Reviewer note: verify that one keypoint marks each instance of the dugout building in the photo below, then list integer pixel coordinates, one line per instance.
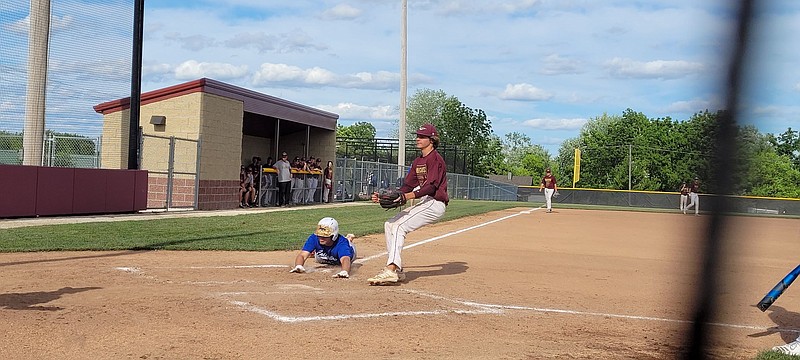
(199, 133)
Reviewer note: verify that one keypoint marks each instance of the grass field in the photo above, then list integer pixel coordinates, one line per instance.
(263, 231)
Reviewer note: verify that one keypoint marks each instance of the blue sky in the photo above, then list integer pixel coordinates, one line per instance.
(539, 67)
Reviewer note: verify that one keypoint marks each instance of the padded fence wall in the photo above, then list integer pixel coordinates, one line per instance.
(656, 200)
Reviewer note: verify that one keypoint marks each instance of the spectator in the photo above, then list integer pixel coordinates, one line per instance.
(329, 247)
(312, 180)
(247, 194)
(327, 193)
(299, 180)
(283, 168)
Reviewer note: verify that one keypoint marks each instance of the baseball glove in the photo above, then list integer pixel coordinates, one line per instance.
(391, 200)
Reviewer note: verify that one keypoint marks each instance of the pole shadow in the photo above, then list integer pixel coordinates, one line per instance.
(786, 323)
(30, 301)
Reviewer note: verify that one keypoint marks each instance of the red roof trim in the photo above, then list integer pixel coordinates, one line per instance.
(152, 96)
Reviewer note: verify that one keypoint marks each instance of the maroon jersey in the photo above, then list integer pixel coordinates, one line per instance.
(430, 174)
(549, 181)
(695, 187)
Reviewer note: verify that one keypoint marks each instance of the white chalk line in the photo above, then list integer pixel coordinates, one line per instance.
(368, 258)
(478, 309)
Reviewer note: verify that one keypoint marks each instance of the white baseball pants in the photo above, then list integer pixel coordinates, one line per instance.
(548, 197)
(427, 211)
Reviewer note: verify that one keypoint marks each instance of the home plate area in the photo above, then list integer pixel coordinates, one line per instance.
(293, 306)
(296, 302)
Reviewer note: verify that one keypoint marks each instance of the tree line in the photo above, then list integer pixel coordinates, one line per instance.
(617, 151)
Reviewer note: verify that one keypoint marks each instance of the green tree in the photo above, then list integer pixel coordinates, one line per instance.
(522, 157)
(462, 129)
(770, 174)
(425, 106)
(787, 144)
(359, 130)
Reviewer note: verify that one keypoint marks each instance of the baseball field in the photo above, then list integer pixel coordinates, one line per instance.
(517, 283)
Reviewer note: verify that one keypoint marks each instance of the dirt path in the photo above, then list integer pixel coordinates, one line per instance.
(518, 284)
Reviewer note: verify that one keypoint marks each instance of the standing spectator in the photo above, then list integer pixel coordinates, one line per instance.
(284, 169)
(684, 195)
(299, 179)
(312, 180)
(256, 165)
(549, 185)
(694, 199)
(327, 194)
(428, 175)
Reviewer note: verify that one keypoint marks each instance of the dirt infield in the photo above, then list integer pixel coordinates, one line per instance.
(514, 284)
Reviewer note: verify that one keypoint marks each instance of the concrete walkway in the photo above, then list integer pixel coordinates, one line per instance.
(151, 215)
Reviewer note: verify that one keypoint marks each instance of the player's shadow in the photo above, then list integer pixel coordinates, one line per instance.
(449, 268)
(786, 323)
(30, 301)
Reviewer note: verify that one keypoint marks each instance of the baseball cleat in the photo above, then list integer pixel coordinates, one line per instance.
(385, 277)
(792, 348)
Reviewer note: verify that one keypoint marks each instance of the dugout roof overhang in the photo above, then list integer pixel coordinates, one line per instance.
(253, 102)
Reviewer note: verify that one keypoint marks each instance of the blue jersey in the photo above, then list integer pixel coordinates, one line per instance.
(329, 254)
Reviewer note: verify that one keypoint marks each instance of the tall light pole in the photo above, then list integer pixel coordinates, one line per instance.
(38, 44)
(401, 154)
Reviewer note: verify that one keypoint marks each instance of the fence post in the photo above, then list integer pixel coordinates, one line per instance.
(170, 170)
(197, 176)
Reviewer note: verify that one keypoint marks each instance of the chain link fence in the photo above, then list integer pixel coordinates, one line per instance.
(357, 179)
(174, 176)
(58, 151)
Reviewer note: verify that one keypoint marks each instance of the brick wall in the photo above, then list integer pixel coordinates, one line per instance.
(218, 194)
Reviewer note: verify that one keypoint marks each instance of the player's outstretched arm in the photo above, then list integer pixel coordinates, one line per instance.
(299, 261)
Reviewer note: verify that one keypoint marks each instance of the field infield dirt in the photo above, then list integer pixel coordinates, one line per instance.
(514, 284)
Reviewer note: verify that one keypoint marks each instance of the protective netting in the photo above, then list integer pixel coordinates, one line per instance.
(89, 62)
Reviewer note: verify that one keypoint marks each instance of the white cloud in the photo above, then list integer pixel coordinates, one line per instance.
(257, 40)
(694, 106)
(56, 23)
(341, 12)
(190, 70)
(290, 75)
(548, 141)
(524, 92)
(465, 7)
(361, 112)
(556, 65)
(191, 42)
(797, 86)
(294, 41)
(555, 124)
(657, 69)
(156, 69)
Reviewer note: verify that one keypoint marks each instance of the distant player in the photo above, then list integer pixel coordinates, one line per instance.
(549, 185)
(328, 247)
(429, 173)
(694, 199)
(684, 189)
